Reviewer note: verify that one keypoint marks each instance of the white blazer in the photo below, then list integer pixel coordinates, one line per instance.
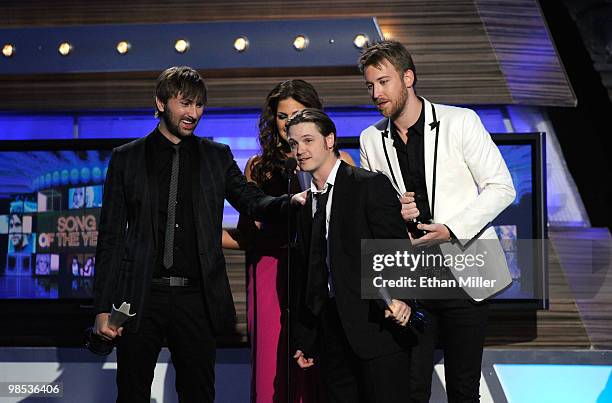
(472, 184)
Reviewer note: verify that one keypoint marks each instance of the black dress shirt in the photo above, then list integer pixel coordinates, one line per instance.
(185, 243)
(411, 158)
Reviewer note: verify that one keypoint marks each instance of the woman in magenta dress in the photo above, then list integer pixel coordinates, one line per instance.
(266, 255)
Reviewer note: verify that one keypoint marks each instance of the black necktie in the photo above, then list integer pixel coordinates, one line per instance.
(317, 292)
(171, 220)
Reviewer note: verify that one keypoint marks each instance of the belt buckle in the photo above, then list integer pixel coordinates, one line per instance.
(177, 281)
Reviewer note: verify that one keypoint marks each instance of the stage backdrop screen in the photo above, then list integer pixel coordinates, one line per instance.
(50, 199)
(51, 195)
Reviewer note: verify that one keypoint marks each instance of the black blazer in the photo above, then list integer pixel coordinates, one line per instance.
(364, 206)
(127, 237)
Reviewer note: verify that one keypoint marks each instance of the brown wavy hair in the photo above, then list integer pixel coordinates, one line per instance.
(180, 80)
(274, 148)
(393, 51)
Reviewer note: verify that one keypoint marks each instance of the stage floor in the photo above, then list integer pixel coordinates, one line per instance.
(509, 375)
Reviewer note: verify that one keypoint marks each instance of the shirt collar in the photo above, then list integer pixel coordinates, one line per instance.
(418, 127)
(163, 142)
(330, 179)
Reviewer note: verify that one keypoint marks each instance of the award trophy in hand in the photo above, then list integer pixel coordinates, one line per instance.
(100, 346)
(417, 320)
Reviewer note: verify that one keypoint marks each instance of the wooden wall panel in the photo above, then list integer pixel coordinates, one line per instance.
(450, 42)
(526, 53)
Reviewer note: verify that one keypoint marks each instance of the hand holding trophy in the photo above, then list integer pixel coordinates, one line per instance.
(102, 339)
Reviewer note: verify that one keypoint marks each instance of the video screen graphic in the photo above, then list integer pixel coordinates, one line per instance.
(49, 211)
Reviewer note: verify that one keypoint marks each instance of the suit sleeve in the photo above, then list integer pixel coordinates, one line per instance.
(491, 175)
(248, 198)
(303, 332)
(384, 216)
(111, 236)
(303, 323)
(384, 210)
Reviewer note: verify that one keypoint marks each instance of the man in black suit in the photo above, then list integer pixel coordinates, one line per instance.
(363, 356)
(159, 244)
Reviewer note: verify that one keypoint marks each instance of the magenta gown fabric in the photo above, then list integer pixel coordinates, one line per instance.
(266, 302)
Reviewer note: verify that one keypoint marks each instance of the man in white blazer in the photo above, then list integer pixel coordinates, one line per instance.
(441, 158)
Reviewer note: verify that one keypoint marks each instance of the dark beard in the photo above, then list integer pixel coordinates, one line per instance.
(400, 105)
(172, 128)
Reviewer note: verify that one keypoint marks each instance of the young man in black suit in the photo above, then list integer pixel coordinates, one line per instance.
(363, 356)
(159, 244)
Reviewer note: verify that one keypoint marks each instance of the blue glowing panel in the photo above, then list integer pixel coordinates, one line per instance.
(524, 119)
(351, 122)
(520, 212)
(492, 119)
(519, 163)
(516, 221)
(242, 147)
(556, 383)
(116, 126)
(230, 124)
(237, 129)
(30, 127)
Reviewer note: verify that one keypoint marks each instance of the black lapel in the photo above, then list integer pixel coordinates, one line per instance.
(382, 125)
(195, 184)
(340, 202)
(434, 125)
(384, 134)
(206, 187)
(152, 185)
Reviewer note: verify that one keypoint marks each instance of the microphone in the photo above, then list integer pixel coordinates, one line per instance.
(290, 165)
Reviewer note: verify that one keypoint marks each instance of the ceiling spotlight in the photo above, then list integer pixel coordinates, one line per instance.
(65, 48)
(123, 47)
(181, 46)
(360, 41)
(241, 44)
(300, 42)
(8, 50)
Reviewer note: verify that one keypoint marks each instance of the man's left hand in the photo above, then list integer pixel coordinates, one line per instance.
(300, 198)
(409, 208)
(436, 234)
(399, 311)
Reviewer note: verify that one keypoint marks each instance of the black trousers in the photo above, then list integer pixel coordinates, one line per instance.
(176, 315)
(352, 380)
(459, 326)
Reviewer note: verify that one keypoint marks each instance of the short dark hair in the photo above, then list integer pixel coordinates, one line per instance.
(182, 80)
(323, 122)
(393, 51)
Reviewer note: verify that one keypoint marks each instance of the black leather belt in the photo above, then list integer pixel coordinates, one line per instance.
(173, 281)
